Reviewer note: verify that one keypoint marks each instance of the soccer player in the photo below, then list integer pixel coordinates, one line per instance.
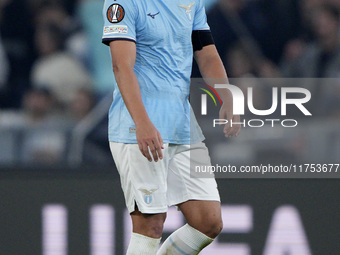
(152, 130)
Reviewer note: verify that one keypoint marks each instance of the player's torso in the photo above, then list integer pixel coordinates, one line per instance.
(164, 22)
(163, 64)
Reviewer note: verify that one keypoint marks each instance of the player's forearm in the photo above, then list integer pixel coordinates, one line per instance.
(213, 72)
(130, 91)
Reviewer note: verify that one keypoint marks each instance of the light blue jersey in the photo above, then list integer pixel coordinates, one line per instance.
(162, 31)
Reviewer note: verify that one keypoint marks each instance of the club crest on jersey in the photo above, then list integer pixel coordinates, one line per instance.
(115, 13)
(187, 9)
(148, 195)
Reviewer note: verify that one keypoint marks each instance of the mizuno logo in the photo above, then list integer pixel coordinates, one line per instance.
(153, 15)
(187, 9)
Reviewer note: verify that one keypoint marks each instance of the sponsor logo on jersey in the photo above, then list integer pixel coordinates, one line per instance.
(115, 13)
(153, 15)
(115, 30)
(187, 9)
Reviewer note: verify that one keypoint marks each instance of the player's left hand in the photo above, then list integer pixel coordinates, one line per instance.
(226, 112)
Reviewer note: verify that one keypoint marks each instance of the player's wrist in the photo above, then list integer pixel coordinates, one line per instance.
(142, 122)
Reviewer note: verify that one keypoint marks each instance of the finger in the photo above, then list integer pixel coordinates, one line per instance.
(146, 151)
(238, 131)
(160, 139)
(237, 128)
(141, 148)
(227, 128)
(222, 116)
(233, 131)
(229, 134)
(153, 151)
(140, 145)
(158, 148)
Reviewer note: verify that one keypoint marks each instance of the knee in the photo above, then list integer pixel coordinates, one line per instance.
(215, 228)
(149, 225)
(212, 227)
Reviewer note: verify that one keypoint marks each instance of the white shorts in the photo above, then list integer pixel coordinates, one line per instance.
(154, 186)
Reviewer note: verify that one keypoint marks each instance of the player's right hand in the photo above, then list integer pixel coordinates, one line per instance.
(149, 140)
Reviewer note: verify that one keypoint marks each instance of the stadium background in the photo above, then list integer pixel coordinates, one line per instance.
(59, 192)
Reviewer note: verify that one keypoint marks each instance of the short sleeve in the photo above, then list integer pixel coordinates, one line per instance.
(119, 21)
(200, 20)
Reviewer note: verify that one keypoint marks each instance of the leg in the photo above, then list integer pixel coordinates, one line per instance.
(143, 184)
(204, 224)
(150, 225)
(197, 198)
(205, 216)
(147, 231)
